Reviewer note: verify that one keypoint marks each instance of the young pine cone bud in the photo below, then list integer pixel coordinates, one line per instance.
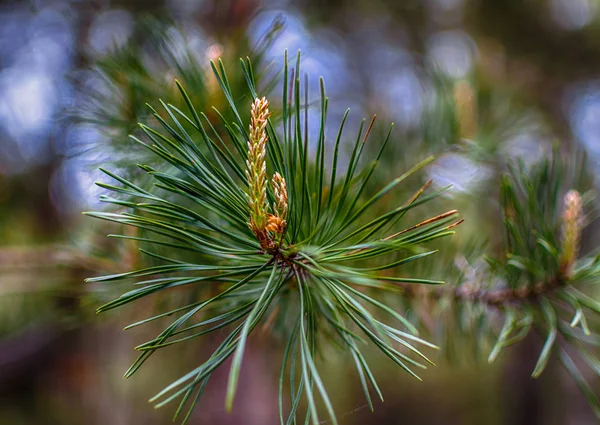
(276, 221)
(276, 224)
(256, 166)
(281, 196)
(572, 223)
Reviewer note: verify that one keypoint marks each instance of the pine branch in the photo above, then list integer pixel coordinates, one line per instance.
(537, 284)
(312, 253)
(282, 254)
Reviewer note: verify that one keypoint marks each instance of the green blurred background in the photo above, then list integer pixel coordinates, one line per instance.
(476, 82)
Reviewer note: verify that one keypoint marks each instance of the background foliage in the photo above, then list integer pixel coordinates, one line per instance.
(477, 83)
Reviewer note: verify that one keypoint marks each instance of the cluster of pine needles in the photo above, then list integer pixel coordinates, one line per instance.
(268, 230)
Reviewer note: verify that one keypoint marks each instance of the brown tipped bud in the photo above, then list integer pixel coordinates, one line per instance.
(572, 223)
(256, 172)
(276, 224)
